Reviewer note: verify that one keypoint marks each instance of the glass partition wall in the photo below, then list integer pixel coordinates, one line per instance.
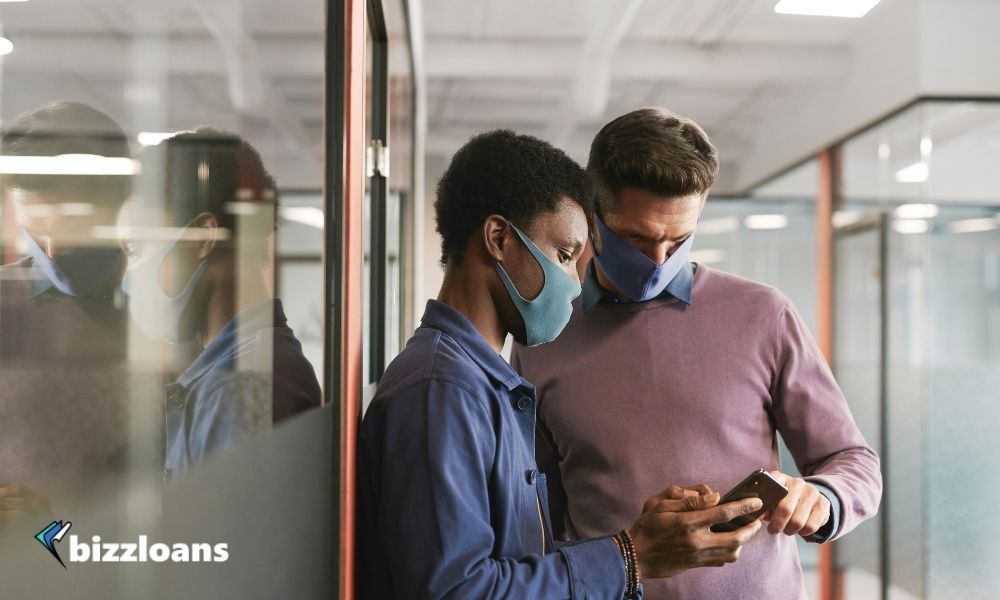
(181, 210)
(915, 330)
(918, 264)
(162, 301)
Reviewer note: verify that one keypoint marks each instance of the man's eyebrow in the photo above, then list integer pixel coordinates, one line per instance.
(631, 233)
(645, 236)
(638, 234)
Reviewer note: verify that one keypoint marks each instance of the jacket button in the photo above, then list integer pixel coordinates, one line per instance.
(532, 477)
(524, 403)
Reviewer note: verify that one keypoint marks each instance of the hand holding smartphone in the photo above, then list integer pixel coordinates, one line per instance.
(759, 484)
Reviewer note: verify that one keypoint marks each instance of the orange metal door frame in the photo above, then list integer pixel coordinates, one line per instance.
(344, 197)
(354, 189)
(824, 292)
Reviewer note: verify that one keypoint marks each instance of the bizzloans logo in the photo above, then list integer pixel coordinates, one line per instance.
(123, 552)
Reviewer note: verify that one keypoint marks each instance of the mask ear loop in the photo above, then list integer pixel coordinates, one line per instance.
(164, 251)
(525, 240)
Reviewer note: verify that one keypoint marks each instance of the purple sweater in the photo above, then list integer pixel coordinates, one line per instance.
(636, 397)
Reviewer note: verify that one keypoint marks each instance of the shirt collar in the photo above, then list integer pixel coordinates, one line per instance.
(40, 282)
(444, 317)
(264, 314)
(679, 287)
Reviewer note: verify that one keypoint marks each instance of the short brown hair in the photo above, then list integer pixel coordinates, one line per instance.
(655, 150)
(68, 128)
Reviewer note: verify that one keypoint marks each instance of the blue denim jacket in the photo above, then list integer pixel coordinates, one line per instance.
(252, 375)
(450, 502)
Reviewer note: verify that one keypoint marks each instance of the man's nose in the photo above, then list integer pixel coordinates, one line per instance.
(659, 252)
(574, 272)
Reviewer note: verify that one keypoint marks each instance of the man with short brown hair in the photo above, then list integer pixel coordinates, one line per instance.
(672, 371)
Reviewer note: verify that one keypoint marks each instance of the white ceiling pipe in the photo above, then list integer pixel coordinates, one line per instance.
(590, 88)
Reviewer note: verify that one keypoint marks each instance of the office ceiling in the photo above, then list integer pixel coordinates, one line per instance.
(562, 68)
(558, 69)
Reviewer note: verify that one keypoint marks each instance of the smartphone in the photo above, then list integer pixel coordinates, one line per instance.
(758, 484)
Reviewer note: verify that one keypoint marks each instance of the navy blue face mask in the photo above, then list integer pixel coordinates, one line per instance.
(632, 272)
(78, 272)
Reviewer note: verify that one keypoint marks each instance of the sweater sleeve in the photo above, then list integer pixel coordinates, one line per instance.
(816, 424)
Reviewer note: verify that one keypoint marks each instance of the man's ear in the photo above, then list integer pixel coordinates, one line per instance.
(495, 232)
(207, 231)
(595, 234)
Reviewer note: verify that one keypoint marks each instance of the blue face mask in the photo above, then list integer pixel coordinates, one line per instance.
(78, 272)
(546, 315)
(159, 315)
(632, 272)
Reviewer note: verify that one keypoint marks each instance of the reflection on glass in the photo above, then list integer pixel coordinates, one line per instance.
(200, 239)
(139, 324)
(299, 269)
(63, 328)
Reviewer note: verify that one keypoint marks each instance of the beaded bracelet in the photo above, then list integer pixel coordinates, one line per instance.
(630, 545)
(627, 547)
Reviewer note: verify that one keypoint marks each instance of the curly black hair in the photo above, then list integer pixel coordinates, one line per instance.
(501, 172)
(209, 170)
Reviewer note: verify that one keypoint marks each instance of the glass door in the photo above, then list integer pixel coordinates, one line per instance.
(857, 364)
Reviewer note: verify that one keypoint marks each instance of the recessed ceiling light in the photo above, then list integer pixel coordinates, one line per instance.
(766, 222)
(6, 46)
(973, 225)
(68, 164)
(926, 145)
(854, 9)
(846, 218)
(911, 226)
(152, 138)
(915, 173)
(307, 215)
(717, 226)
(76, 209)
(917, 211)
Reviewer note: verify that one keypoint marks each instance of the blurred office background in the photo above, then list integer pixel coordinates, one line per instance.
(860, 150)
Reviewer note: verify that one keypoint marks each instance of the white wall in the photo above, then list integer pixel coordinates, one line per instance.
(908, 48)
(883, 74)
